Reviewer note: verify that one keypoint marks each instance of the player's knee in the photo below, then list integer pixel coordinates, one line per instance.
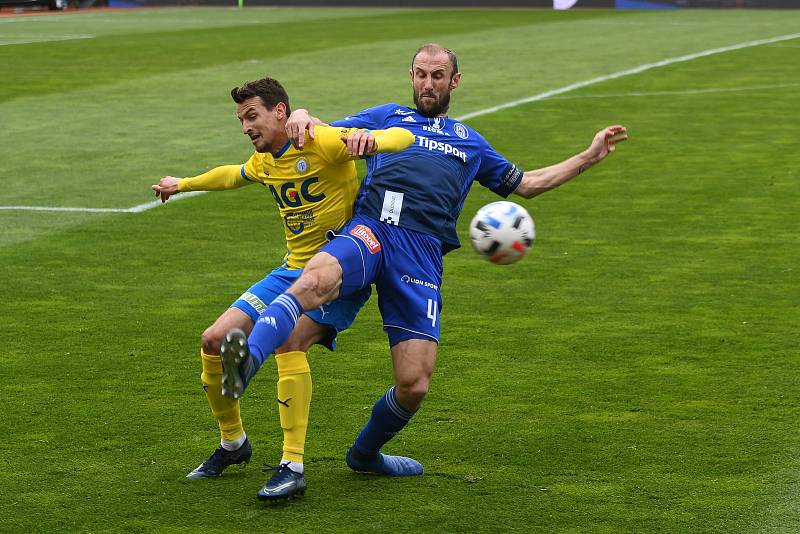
(411, 392)
(211, 340)
(314, 286)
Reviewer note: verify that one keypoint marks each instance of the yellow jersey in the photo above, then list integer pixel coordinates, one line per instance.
(314, 188)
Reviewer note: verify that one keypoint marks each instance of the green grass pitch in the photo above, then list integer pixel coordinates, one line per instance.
(638, 372)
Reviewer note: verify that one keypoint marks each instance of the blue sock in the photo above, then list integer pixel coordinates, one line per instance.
(387, 419)
(274, 326)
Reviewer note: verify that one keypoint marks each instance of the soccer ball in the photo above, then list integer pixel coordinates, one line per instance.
(502, 232)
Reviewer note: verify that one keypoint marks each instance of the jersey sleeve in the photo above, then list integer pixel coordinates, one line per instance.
(393, 139)
(371, 118)
(330, 146)
(217, 179)
(253, 169)
(497, 173)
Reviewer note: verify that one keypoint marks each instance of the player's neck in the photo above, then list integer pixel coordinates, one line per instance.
(279, 143)
(442, 115)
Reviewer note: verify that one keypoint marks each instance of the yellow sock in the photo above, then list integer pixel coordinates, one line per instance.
(294, 398)
(225, 410)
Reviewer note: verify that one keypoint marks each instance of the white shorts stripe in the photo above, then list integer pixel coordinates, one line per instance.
(363, 263)
(409, 330)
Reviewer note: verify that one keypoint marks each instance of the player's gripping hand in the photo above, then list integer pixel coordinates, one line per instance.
(605, 141)
(360, 143)
(299, 121)
(166, 187)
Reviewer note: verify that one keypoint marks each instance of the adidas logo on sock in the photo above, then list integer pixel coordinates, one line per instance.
(268, 321)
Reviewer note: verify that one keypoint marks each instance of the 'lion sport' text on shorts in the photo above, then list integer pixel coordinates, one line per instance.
(338, 314)
(404, 265)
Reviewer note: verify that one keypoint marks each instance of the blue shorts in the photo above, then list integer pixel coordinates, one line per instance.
(404, 265)
(338, 315)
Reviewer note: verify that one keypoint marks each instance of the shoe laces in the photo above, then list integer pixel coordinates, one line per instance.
(216, 459)
(278, 468)
(281, 471)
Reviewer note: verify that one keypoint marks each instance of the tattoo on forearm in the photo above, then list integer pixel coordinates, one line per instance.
(583, 168)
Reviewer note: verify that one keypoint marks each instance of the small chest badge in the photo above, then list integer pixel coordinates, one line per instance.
(301, 166)
(461, 130)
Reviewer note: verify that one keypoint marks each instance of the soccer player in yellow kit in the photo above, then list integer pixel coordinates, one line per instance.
(314, 189)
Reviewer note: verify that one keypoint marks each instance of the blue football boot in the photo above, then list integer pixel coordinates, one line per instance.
(238, 366)
(222, 458)
(284, 484)
(383, 464)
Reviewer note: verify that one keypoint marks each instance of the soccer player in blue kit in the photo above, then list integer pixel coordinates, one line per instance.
(404, 222)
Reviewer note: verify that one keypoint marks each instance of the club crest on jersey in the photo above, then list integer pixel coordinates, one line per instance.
(436, 126)
(461, 130)
(365, 234)
(301, 166)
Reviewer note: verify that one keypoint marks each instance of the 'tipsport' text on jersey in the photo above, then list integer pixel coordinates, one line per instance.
(423, 188)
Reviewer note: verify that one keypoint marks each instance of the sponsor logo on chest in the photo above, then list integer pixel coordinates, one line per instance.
(438, 146)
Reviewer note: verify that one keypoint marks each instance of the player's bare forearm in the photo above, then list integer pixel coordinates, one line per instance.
(538, 181)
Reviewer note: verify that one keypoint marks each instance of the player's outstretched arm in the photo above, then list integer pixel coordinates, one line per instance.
(538, 181)
(364, 142)
(166, 187)
(299, 121)
(217, 179)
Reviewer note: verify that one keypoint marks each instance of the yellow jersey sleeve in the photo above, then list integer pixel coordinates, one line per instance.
(329, 144)
(255, 169)
(393, 139)
(217, 179)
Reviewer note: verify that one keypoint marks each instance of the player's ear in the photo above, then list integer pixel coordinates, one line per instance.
(280, 111)
(455, 80)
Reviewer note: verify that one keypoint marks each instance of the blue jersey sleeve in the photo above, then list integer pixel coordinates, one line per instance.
(497, 173)
(371, 118)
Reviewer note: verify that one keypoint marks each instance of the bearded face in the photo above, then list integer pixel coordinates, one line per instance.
(431, 104)
(432, 81)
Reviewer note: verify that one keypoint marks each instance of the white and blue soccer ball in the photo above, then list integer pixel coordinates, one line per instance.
(502, 232)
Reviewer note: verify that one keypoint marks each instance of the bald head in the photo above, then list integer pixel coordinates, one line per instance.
(433, 49)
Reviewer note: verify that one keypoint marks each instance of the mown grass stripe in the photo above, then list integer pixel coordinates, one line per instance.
(628, 72)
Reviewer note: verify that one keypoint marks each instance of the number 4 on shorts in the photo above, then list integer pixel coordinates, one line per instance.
(433, 309)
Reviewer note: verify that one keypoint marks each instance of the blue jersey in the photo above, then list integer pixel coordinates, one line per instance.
(423, 188)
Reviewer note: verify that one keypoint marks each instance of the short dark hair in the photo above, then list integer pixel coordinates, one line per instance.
(269, 90)
(433, 48)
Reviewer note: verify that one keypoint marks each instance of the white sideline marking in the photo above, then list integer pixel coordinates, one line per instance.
(29, 40)
(514, 103)
(628, 72)
(136, 209)
(683, 92)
